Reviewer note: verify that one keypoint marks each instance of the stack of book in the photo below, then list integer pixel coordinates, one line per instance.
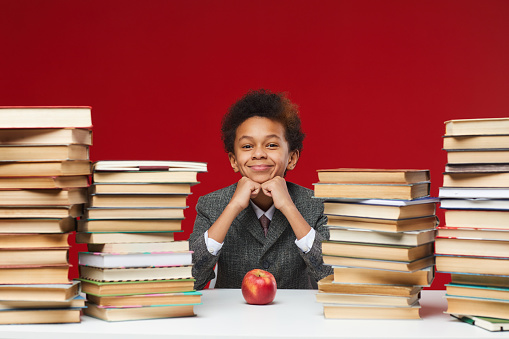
(134, 268)
(44, 172)
(382, 228)
(474, 243)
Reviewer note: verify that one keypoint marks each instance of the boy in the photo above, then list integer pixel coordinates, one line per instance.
(263, 137)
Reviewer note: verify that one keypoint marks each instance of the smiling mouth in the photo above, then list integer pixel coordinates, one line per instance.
(260, 167)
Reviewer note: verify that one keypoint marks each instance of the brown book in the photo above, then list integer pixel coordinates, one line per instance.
(138, 200)
(327, 285)
(46, 197)
(136, 287)
(46, 117)
(480, 279)
(137, 188)
(495, 308)
(147, 299)
(383, 225)
(46, 293)
(354, 275)
(476, 179)
(45, 169)
(130, 225)
(409, 238)
(405, 266)
(485, 292)
(372, 191)
(41, 212)
(479, 156)
(105, 238)
(146, 177)
(376, 251)
(34, 274)
(41, 316)
(335, 311)
(362, 299)
(379, 211)
(33, 256)
(487, 126)
(477, 218)
(367, 175)
(476, 142)
(38, 225)
(34, 153)
(22, 305)
(169, 246)
(134, 213)
(46, 136)
(44, 182)
(473, 265)
(472, 233)
(137, 313)
(472, 247)
(476, 168)
(33, 240)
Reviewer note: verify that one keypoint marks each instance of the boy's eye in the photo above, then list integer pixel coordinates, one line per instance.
(272, 145)
(247, 146)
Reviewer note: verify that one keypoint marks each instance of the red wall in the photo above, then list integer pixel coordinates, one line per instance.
(375, 80)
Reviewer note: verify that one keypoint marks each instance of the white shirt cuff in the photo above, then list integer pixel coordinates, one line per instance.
(213, 246)
(306, 242)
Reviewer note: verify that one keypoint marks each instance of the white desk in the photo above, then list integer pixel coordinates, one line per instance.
(294, 314)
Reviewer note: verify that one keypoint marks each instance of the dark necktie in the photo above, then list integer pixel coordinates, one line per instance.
(264, 221)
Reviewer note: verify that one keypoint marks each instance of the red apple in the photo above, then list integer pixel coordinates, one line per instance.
(259, 287)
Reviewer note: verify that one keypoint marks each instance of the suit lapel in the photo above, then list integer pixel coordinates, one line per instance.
(249, 222)
(277, 226)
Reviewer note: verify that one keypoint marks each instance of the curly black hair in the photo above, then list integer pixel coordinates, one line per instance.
(263, 103)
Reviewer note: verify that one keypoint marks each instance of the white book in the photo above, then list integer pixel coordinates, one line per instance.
(142, 259)
(140, 165)
(473, 192)
(477, 204)
(385, 202)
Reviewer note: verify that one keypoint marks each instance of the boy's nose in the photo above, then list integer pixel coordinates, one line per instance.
(259, 153)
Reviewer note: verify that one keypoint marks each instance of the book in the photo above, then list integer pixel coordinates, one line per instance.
(140, 188)
(37, 225)
(475, 265)
(336, 311)
(137, 313)
(472, 233)
(354, 275)
(363, 175)
(132, 274)
(486, 126)
(45, 197)
(476, 141)
(476, 179)
(134, 213)
(372, 191)
(172, 246)
(476, 218)
(35, 153)
(46, 136)
(479, 156)
(130, 225)
(21, 305)
(136, 287)
(476, 204)
(106, 237)
(379, 211)
(376, 251)
(45, 117)
(138, 200)
(180, 298)
(33, 256)
(410, 238)
(496, 308)
(327, 285)
(473, 193)
(41, 316)
(140, 259)
(57, 212)
(476, 291)
(44, 182)
(472, 247)
(34, 274)
(476, 168)
(361, 299)
(45, 169)
(33, 240)
(40, 292)
(145, 176)
(391, 265)
(154, 165)
(382, 225)
(490, 324)
(480, 279)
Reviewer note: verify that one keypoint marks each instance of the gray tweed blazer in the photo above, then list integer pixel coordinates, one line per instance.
(245, 246)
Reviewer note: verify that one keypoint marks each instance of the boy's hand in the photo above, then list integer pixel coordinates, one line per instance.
(277, 190)
(246, 189)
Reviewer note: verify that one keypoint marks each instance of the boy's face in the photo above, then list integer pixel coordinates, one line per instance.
(261, 151)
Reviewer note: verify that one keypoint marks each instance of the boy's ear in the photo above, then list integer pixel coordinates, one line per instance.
(292, 161)
(233, 162)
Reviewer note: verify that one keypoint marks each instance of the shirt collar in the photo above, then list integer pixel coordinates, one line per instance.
(259, 212)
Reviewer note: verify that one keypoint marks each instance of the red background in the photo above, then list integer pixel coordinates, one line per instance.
(375, 80)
